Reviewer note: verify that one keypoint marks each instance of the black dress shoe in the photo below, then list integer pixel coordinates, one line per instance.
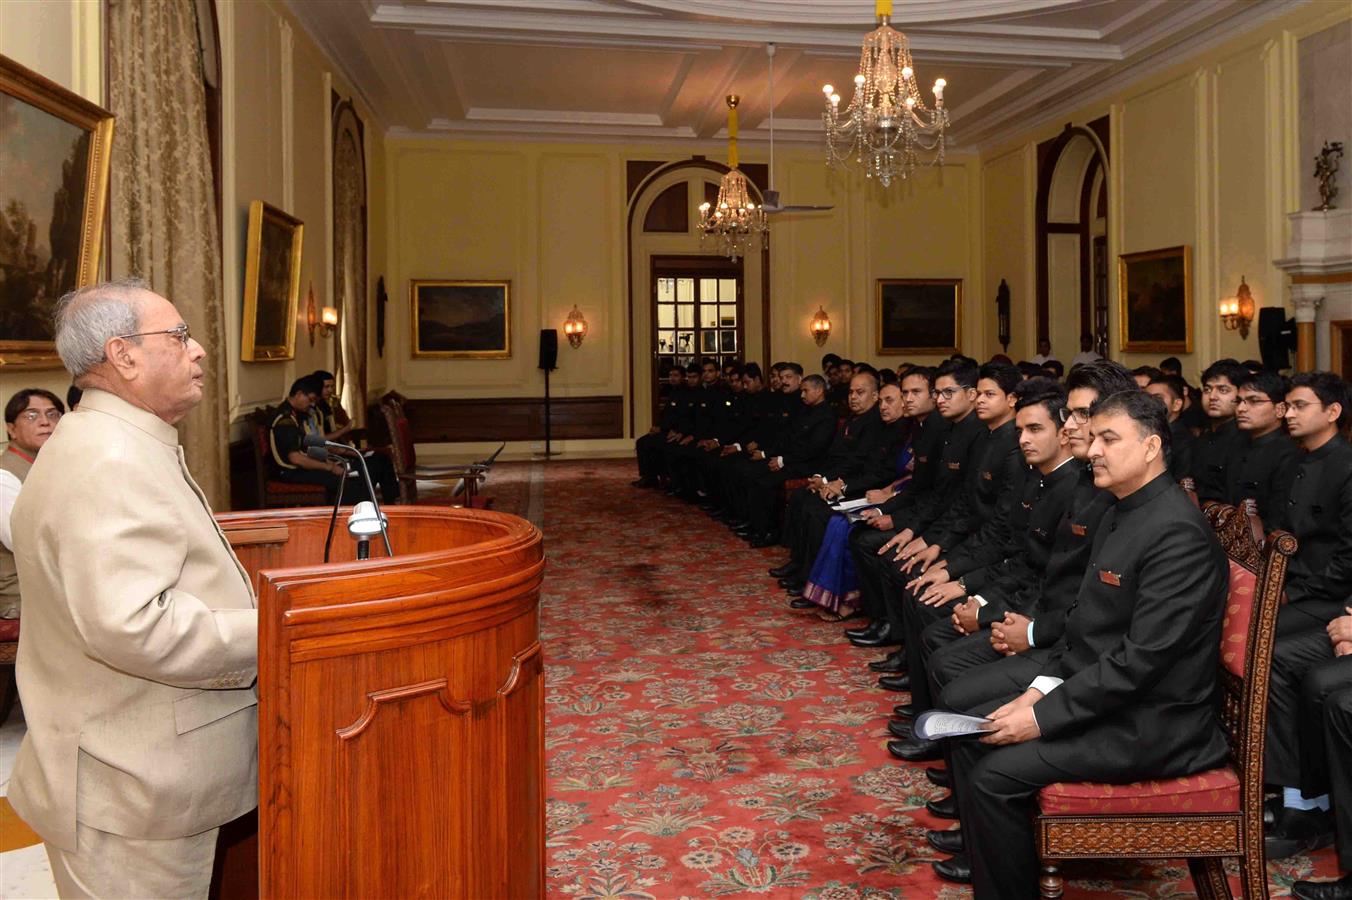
(899, 729)
(764, 540)
(1324, 890)
(904, 711)
(796, 587)
(1299, 831)
(892, 664)
(914, 750)
(784, 571)
(881, 638)
(868, 630)
(742, 530)
(802, 603)
(946, 807)
(898, 683)
(949, 842)
(790, 581)
(957, 870)
(644, 482)
(939, 777)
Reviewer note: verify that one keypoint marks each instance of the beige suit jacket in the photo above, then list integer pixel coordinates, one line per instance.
(140, 638)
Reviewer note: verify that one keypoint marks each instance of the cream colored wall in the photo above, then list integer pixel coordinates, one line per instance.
(277, 141)
(275, 117)
(62, 41)
(1204, 154)
(552, 218)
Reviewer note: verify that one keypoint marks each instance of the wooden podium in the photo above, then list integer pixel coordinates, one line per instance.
(400, 709)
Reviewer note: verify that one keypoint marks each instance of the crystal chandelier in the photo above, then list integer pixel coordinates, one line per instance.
(886, 126)
(734, 221)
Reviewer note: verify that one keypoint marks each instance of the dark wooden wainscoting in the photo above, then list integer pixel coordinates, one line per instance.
(515, 419)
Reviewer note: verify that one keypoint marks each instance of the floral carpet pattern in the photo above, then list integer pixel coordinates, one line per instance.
(704, 740)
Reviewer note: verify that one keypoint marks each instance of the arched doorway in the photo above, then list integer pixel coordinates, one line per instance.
(1072, 240)
(686, 301)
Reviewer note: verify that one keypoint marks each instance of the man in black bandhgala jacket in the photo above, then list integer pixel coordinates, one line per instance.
(1129, 692)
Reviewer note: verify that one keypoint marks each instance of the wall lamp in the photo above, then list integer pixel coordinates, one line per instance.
(821, 326)
(575, 326)
(325, 320)
(1237, 311)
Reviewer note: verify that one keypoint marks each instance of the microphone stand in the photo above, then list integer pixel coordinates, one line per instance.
(316, 444)
(338, 501)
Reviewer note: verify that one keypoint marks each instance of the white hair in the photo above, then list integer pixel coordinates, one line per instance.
(87, 317)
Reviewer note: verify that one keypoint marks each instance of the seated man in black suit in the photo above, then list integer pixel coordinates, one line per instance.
(800, 451)
(1220, 396)
(648, 448)
(1325, 727)
(1129, 692)
(1318, 585)
(1173, 393)
(1262, 461)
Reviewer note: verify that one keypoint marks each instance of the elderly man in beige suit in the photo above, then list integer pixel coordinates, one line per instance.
(139, 645)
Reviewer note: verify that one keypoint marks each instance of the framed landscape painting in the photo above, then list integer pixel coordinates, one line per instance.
(1154, 294)
(919, 315)
(271, 284)
(461, 319)
(54, 150)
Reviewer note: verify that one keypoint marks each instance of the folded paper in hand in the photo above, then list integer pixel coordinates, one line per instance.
(847, 505)
(936, 724)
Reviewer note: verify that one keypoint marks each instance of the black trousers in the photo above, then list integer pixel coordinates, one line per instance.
(1293, 657)
(869, 568)
(354, 491)
(761, 496)
(980, 686)
(1320, 683)
(948, 653)
(651, 461)
(383, 477)
(805, 523)
(916, 618)
(997, 791)
(1338, 747)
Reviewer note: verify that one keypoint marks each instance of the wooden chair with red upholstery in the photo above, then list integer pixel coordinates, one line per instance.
(463, 481)
(271, 492)
(1212, 815)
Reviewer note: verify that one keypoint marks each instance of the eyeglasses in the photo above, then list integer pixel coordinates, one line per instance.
(32, 415)
(946, 393)
(178, 331)
(1252, 401)
(1302, 405)
(1081, 415)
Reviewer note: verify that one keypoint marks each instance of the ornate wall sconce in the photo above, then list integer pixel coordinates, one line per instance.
(325, 320)
(821, 326)
(1237, 311)
(575, 326)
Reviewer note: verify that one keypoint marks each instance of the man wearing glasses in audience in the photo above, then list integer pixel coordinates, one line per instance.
(30, 418)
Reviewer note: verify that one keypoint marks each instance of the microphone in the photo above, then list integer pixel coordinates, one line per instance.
(364, 522)
(317, 446)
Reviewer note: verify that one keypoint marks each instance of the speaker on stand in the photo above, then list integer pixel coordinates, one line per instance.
(549, 361)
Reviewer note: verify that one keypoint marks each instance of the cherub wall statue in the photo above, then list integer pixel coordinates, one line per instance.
(1326, 169)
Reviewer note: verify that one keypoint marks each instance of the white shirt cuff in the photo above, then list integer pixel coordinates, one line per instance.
(980, 600)
(1030, 635)
(1045, 684)
(737, 447)
(779, 461)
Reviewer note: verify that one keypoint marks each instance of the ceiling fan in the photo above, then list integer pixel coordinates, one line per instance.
(771, 196)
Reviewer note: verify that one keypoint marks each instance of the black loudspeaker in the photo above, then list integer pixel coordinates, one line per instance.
(1276, 337)
(549, 349)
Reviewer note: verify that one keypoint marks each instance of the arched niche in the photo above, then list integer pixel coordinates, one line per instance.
(1072, 252)
(645, 246)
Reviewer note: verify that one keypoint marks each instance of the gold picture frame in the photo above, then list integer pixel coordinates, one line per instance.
(1154, 299)
(461, 319)
(55, 152)
(271, 284)
(919, 316)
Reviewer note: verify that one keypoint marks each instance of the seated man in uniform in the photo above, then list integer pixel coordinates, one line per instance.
(332, 419)
(801, 450)
(648, 448)
(1318, 585)
(292, 464)
(1262, 461)
(1173, 393)
(1220, 396)
(1129, 692)
(30, 418)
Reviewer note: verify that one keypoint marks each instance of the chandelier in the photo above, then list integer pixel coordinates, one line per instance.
(734, 221)
(887, 126)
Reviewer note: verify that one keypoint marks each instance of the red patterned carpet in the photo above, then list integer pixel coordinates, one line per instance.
(704, 740)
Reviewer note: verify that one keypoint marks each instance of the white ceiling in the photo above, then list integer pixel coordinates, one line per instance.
(659, 69)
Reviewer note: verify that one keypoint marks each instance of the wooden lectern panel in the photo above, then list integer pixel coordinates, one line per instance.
(401, 706)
